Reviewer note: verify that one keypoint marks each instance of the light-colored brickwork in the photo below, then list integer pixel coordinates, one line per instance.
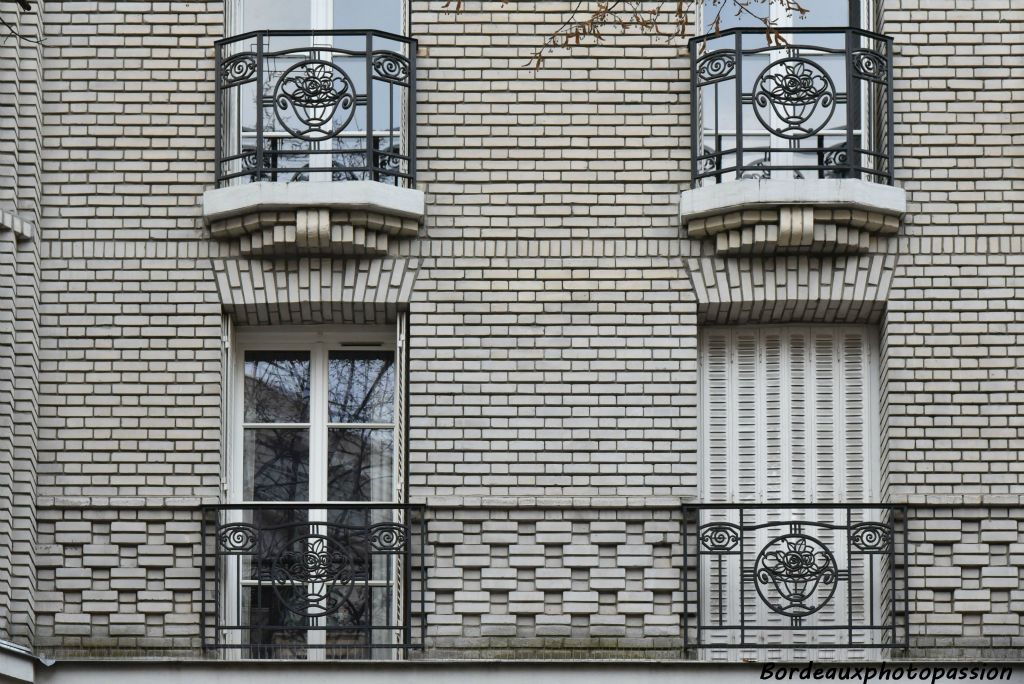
(553, 302)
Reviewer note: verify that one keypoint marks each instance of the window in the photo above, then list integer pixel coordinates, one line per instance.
(328, 84)
(316, 471)
(789, 469)
(798, 110)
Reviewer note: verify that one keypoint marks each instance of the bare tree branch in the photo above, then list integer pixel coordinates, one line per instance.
(24, 6)
(589, 20)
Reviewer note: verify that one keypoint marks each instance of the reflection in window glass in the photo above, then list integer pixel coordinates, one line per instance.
(359, 465)
(361, 387)
(278, 631)
(276, 387)
(276, 464)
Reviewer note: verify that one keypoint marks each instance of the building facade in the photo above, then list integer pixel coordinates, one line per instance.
(343, 333)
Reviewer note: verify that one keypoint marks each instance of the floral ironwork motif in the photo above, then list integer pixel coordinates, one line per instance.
(236, 69)
(871, 537)
(719, 537)
(870, 65)
(391, 66)
(796, 575)
(794, 98)
(717, 66)
(315, 91)
(238, 538)
(306, 570)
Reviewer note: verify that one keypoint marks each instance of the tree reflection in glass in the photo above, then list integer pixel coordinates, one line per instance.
(276, 387)
(361, 387)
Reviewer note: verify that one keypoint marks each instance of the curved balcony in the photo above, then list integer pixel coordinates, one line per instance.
(316, 105)
(315, 143)
(817, 106)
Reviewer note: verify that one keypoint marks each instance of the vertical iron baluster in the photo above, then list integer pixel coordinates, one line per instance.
(695, 146)
(739, 107)
(890, 133)
(218, 115)
(686, 582)
(851, 100)
(371, 162)
(259, 106)
(849, 578)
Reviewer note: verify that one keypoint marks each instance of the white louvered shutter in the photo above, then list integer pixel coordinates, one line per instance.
(787, 417)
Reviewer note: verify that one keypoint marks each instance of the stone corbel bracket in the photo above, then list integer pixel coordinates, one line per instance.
(764, 217)
(343, 218)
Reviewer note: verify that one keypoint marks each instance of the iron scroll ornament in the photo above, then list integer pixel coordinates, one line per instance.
(794, 98)
(315, 91)
(719, 537)
(305, 571)
(795, 575)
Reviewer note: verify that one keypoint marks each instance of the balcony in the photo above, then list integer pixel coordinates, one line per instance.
(795, 138)
(315, 142)
(803, 577)
(334, 581)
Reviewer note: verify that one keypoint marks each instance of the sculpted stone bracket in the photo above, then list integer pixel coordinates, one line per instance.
(307, 232)
(752, 217)
(313, 219)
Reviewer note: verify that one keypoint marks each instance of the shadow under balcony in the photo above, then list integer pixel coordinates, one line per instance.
(791, 142)
(315, 142)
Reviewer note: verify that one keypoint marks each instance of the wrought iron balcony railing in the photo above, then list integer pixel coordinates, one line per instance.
(800, 576)
(817, 106)
(316, 105)
(321, 581)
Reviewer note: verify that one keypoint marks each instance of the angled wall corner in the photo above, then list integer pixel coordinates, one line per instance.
(340, 218)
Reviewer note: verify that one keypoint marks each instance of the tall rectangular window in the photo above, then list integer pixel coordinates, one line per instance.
(793, 544)
(315, 474)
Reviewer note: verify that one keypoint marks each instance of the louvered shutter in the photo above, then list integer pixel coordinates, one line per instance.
(787, 417)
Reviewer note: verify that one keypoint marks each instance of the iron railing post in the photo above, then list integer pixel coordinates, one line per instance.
(259, 104)
(411, 113)
(739, 105)
(371, 155)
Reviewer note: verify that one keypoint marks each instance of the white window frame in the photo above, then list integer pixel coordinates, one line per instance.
(320, 341)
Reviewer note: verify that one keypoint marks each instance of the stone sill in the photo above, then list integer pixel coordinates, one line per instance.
(313, 218)
(753, 217)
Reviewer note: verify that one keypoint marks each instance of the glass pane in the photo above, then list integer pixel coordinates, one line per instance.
(259, 15)
(276, 464)
(383, 15)
(359, 464)
(276, 387)
(361, 387)
(274, 630)
(349, 629)
(371, 539)
(823, 13)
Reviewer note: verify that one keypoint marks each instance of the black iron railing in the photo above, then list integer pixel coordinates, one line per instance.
(817, 106)
(803, 576)
(313, 581)
(316, 105)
